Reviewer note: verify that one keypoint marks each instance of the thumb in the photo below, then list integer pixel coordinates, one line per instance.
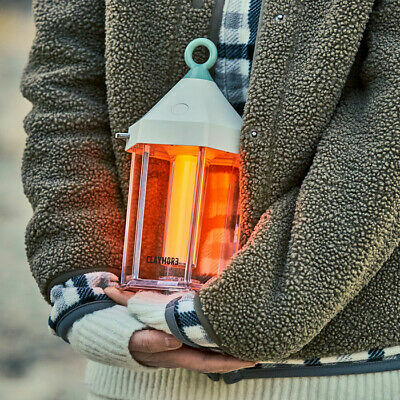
(153, 341)
(118, 295)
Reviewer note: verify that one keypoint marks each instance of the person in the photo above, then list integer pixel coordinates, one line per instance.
(308, 308)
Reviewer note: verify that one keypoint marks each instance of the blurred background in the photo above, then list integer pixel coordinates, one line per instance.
(33, 364)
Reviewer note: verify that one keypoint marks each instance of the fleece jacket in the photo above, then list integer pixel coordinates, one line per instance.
(318, 271)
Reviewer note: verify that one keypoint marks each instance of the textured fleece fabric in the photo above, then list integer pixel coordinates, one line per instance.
(320, 155)
(320, 185)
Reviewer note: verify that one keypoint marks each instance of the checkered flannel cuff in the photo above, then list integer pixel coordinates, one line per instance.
(185, 325)
(236, 43)
(77, 296)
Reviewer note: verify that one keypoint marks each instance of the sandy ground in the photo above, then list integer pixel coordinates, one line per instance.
(33, 364)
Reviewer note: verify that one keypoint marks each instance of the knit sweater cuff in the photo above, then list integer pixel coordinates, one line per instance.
(104, 335)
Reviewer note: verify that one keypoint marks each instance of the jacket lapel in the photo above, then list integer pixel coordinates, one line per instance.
(302, 61)
(303, 55)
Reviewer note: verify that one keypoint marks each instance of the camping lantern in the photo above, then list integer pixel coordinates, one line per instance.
(182, 211)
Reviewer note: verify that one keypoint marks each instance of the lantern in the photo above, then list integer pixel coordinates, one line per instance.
(182, 211)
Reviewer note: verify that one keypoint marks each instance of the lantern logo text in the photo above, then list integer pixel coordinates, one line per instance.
(162, 260)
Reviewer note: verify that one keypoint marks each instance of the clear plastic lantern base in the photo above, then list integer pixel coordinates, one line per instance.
(182, 216)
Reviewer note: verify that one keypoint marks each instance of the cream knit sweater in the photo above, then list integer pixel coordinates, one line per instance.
(103, 338)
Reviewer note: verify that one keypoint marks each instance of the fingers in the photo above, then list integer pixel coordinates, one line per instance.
(194, 360)
(208, 362)
(119, 296)
(158, 349)
(153, 341)
(141, 297)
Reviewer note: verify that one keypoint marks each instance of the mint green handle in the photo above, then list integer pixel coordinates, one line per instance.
(200, 71)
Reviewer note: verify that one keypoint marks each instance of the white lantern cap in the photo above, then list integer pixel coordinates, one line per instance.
(193, 113)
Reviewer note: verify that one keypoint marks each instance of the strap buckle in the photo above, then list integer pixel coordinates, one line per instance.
(228, 378)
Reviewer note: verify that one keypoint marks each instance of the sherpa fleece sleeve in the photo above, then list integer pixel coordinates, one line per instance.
(68, 169)
(316, 247)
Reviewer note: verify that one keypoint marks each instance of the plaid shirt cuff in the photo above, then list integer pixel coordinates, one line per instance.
(76, 297)
(185, 324)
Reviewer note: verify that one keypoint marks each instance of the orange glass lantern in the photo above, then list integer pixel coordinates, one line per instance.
(182, 214)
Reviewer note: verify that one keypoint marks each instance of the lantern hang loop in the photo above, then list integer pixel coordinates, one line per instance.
(193, 113)
(200, 71)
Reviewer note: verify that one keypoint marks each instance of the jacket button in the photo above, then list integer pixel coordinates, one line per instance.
(279, 17)
(253, 134)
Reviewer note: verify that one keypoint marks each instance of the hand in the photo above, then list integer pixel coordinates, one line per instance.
(155, 348)
(158, 349)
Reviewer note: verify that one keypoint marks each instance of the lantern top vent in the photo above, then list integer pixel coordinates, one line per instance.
(193, 113)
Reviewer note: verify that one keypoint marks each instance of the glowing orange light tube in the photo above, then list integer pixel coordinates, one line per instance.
(181, 193)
